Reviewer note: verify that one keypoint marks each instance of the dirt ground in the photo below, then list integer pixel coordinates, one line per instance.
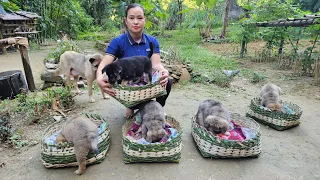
(290, 154)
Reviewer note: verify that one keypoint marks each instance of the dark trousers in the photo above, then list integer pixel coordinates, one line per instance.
(161, 99)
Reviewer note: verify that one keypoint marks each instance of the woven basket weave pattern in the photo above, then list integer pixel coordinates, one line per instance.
(169, 151)
(53, 157)
(276, 120)
(211, 146)
(131, 95)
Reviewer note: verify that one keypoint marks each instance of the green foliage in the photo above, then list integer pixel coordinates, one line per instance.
(208, 3)
(17, 141)
(5, 128)
(105, 36)
(63, 46)
(257, 77)
(9, 5)
(203, 62)
(36, 105)
(59, 15)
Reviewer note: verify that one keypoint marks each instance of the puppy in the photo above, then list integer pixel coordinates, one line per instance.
(153, 122)
(83, 133)
(75, 64)
(269, 95)
(128, 69)
(213, 116)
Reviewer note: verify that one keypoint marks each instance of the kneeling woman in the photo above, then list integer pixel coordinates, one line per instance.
(134, 43)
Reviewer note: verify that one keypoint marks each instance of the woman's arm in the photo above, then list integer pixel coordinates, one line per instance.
(103, 82)
(156, 64)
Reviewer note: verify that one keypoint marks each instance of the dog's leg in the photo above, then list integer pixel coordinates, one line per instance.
(90, 83)
(67, 74)
(81, 154)
(75, 83)
(144, 131)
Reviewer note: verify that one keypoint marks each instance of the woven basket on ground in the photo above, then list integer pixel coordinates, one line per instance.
(53, 157)
(169, 151)
(213, 147)
(275, 119)
(133, 95)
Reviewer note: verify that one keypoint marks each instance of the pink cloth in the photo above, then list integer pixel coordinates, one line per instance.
(135, 131)
(236, 134)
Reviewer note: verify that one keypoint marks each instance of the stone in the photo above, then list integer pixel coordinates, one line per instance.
(185, 75)
(51, 66)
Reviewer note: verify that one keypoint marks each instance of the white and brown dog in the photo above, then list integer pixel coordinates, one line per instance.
(75, 64)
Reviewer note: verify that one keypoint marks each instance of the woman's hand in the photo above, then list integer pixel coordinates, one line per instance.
(105, 86)
(164, 77)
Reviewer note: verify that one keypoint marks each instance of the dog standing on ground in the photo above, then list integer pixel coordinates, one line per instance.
(153, 122)
(83, 133)
(75, 64)
(213, 116)
(270, 94)
(128, 69)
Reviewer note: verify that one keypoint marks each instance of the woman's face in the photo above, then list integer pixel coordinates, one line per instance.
(135, 20)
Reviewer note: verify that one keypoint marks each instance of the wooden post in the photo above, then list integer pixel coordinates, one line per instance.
(27, 67)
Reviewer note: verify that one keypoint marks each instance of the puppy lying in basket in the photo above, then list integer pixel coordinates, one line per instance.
(83, 133)
(214, 117)
(128, 69)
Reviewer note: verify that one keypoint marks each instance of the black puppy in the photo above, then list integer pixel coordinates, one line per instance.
(127, 69)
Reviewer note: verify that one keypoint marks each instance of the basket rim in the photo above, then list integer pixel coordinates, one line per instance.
(151, 144)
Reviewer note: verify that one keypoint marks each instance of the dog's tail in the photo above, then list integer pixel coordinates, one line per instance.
(93, 138)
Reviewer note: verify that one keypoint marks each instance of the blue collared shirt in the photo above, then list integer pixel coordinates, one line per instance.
(124, 46)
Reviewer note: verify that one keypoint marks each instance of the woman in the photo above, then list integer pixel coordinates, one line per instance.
(134, 43)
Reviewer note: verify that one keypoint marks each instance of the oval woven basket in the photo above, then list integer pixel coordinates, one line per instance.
(169, 151)
(275, 119)
(213, 147)
(132, 95)
(53, 157)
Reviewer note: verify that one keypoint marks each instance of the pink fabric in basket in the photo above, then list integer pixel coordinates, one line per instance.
(236, 134)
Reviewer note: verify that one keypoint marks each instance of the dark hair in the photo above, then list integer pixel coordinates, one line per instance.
(133, 6)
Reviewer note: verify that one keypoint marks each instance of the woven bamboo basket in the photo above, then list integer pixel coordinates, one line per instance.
(53, 157)
(132, 95)
(213, 147)
(169, 151)
(275, 119)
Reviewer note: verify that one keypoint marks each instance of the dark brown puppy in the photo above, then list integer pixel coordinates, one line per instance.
(128, 69)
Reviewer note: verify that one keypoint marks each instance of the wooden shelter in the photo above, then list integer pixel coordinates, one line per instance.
(20, 23)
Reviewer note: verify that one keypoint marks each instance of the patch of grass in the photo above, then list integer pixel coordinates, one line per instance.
(202, 61)
(94, 36)
(258, 77)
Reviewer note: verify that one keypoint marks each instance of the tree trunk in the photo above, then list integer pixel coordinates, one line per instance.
(226, 19)
(180, 9)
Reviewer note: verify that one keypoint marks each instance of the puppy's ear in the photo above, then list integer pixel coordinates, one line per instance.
(95, 61)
